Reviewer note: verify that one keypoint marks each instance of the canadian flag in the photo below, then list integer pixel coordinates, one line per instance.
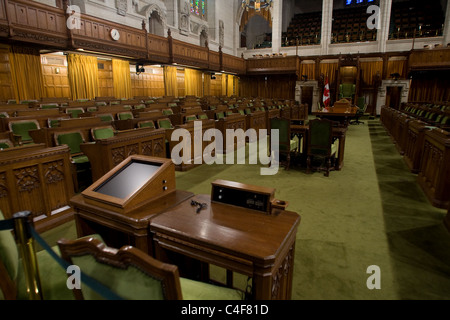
(326, 93)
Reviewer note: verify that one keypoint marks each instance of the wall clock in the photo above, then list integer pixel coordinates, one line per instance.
(115, 34)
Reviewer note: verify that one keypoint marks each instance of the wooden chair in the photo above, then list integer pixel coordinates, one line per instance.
(164, 123)
(20, 129)
(146, 124)
(6, 144)
(105, 117)
(134, 275)
(286, 145)
(81, 168)
(104, 132)
(321, 145)
(75, 111)
(125, 115)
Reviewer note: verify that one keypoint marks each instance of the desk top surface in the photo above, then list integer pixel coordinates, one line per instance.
(238, 231)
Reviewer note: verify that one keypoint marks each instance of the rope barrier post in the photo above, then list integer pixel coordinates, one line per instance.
(22, 221)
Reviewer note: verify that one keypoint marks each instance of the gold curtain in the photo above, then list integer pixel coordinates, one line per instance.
(170, 81)
(207, 84)
(230, 90)
(397, 66)
(83, 76)
(224, 84)
(26, 73)
(370, 69)
(121, 79)
(329, 71)
(193, 82)
(309, 69)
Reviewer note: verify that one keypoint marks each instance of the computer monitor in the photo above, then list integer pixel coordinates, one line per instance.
(134, 182)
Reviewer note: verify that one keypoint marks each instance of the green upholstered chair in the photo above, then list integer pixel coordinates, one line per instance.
(248, 111)
(53, 277)
(203, 116)
(139, 106)
(6, 144)
(104, 132)
(362, 107)
(75, 111)
(100, 103)
(52, 105)
(91, 109)
(164, 123)
(21, 128)
(4, 114)
(146, 124)
(321, 145)
(347, 90)
(124, 115)
(220, 115)
(106, 117)
(286, 145)
(189, 118)
(134, 275)
(167, 112)
(81, 165)
(241, 111)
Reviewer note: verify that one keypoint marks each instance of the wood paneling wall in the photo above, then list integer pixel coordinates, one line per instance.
(6, 87)
(105, 79)
(56, 80)
(149, 83)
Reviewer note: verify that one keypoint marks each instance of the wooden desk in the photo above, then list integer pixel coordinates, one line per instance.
(118, 229)
(340, 115)
(338, 132)
(255, 244)
(105, 154)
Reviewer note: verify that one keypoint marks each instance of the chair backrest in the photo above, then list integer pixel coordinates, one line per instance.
(51, 105)
(164, 123)
(283, 126)
(74, 112)
(21, 128)
(124, 115)
(320, 137)
(105, 132)
(106, 117)
(135, 274)
(146, 124)
(190, 118)
(5, 144)
(72, 139)
(4, 114)
(167, 112)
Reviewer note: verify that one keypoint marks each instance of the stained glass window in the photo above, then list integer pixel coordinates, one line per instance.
(198, 7)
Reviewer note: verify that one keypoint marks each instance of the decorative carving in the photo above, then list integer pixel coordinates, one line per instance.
(118, 155)
(54, 172)
(184, 18)
(281, 273)
(133, 149)
(221, 33)
(158, 149)
(147, 148)
(27, 178)
(3, 186)
(122, 6)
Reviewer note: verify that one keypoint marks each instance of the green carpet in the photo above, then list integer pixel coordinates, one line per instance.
(372, 212)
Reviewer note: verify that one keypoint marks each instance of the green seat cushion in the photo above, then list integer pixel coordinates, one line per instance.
(202, 116)
(165, 124)
(106, 117)
(72, 139)
(75, 113)
(125, 116)
(130, 283)
(103, 133)
(147, 124)
(22, 128)
(80, 159)
(195, 290)
(4, 145)
(167, 112)
(9, 254)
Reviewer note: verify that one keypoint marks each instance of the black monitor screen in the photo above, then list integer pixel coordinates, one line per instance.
(128, 180)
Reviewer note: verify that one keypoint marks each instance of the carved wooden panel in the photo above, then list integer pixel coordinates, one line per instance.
(6, 87)
(149, 83)
(214, 61)
(34, 22)
(273, 65)
(37, 179)
(185, 53)
(233, 64)
(95, 34)
(56, 80)
(158, 48)
(429, 59)
(105, 79)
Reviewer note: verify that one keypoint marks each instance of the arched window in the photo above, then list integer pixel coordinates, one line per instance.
(198, 7)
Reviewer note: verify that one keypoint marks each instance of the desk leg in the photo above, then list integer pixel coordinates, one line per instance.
(275, 284)
(340, 162)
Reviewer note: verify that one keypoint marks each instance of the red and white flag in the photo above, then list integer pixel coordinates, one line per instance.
(326, 94)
